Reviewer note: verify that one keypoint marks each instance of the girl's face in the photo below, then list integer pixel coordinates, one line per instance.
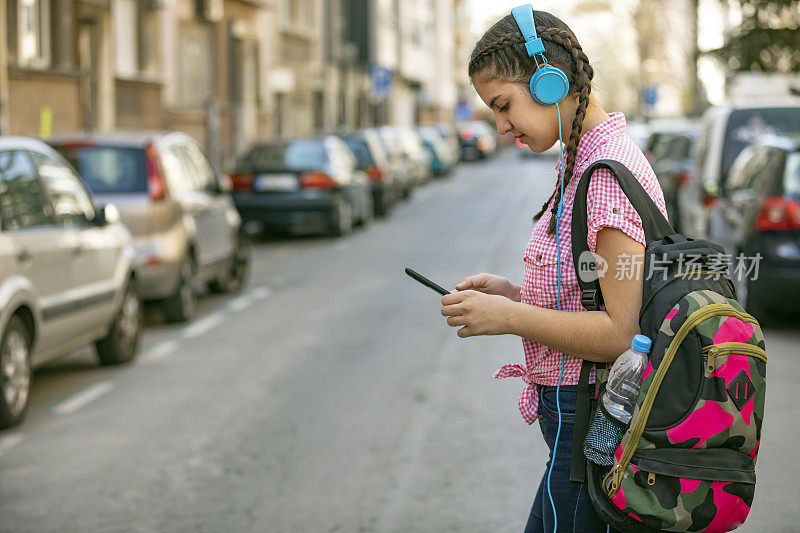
(516, 111)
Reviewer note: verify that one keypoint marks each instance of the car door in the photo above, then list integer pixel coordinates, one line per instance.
(40, 250)
(96, 253)
(221, 213)
(186, 189)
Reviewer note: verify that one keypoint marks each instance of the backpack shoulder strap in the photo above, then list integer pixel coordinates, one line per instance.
(583, 407)
(655, 225)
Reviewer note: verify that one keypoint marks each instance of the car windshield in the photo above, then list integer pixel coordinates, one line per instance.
(746, 125)
(791, 179)
(679, 147)
(300, 155)
(109, 169)
(360, 149)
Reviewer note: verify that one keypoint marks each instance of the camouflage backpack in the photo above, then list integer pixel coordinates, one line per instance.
(687, 460)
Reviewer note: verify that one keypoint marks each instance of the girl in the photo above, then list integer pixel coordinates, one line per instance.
(486, 304)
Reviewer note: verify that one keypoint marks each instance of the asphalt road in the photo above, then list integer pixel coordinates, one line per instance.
(330, 395)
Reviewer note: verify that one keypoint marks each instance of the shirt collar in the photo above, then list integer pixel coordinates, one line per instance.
(596, 137)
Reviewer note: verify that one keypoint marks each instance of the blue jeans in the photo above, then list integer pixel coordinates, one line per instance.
(573, 507)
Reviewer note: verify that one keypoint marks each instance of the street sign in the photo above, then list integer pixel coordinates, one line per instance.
(380, 81)
(463, 111)
(650, 95)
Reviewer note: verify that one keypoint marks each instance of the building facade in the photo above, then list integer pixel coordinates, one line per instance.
(227, 72)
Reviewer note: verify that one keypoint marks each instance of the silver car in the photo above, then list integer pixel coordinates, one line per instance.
(726, 131)
(66, 271)
(185, 226)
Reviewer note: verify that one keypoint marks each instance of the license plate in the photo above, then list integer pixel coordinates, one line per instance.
(276, 182)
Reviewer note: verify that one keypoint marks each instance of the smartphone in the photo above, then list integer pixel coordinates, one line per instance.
(428, 283)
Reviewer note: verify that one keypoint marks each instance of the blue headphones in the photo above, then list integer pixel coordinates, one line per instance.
(549, 85)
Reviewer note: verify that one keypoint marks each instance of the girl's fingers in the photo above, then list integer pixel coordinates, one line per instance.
(452, 298)
(456, 321)
(451, 310)
(464, 332)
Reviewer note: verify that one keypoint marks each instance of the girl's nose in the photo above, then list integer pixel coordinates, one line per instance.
(503, 126)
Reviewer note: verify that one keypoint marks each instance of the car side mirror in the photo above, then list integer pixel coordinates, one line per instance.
(106, 215)
(225, 183)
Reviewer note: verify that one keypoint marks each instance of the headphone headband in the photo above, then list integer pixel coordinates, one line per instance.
(549, 85)
(524, 16)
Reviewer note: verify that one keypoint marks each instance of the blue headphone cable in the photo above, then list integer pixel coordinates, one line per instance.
(558, 303)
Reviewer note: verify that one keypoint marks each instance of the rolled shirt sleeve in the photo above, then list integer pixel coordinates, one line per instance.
(608, 207)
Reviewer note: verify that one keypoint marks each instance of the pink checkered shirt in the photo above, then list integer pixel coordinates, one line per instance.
(607, 207)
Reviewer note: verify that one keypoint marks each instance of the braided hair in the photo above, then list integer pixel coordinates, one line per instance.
(501, 54)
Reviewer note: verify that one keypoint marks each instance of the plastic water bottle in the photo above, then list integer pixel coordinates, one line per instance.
(625, 379)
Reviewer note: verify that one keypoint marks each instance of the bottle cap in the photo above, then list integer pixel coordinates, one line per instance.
(641, 343)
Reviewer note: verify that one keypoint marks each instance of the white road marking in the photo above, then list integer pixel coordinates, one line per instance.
(341, 245)
(261, 292)
(10, 441)
(240, 304)
(83, 398)
(160, 351)
(203, 325)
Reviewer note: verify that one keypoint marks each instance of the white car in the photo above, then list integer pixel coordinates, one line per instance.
(66, 271)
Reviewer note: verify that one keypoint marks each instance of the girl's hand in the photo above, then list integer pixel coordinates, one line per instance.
(490, 284)
(478, 313)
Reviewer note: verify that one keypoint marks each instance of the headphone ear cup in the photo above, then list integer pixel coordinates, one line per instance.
(549, 85)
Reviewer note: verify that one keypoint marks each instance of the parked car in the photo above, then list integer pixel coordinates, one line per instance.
(409, 147)
(442, 159)
(183, 221)
(638, 130)
(372, 159)
(659, 131)
(66, 272)
(670, 154)
(402, 167)
(758, 213)
(302, 185)
(477, 140)
(725, 132)
(450, 136)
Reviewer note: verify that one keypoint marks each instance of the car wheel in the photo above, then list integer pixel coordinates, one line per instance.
(232, 279)
(119, 346)
(343, 222)
(15, 372)
(368, 210)
(180, 306)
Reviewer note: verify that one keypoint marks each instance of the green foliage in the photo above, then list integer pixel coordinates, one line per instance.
(768, 39)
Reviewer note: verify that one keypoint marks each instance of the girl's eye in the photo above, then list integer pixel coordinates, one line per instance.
(504, 108)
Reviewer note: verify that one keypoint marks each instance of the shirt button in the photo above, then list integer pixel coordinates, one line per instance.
(539, 257)
(615, 210)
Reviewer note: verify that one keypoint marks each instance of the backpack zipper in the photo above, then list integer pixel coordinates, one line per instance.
(727, 348)
(637, 429)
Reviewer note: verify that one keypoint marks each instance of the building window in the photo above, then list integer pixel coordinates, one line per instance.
(33, 23)
(194, 62)
(286, 13)
(319, 110)
(280, 113)
(297, 15)
(341, 119)
(126, 25)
